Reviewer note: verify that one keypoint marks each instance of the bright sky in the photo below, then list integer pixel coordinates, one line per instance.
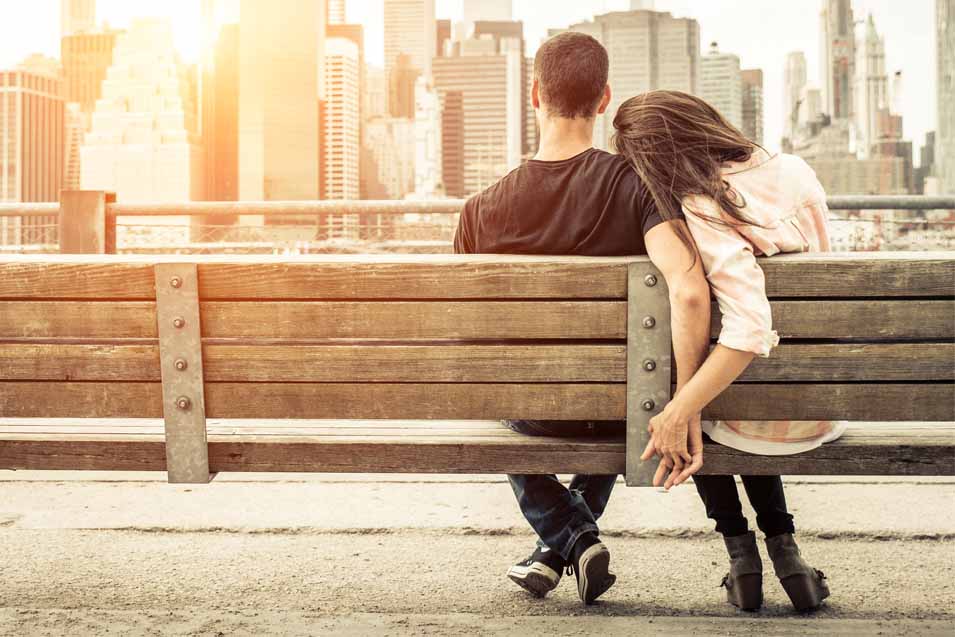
(761, 32)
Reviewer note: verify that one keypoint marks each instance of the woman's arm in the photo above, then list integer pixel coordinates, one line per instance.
(739, 286)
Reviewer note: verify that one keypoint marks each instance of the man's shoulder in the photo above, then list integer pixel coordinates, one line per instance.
(496, 192)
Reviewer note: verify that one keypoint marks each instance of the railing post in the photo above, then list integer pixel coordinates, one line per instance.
(85, 228)
(648, 364)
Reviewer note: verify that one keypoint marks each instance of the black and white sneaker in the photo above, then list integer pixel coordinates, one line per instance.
(540, 573)
(591, 565)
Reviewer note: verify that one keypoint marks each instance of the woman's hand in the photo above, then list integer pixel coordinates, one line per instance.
(677, 437)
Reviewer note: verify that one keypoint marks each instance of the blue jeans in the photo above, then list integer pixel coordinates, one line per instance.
(558, 514)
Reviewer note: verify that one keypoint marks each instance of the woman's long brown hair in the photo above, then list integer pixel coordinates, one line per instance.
(678, 144)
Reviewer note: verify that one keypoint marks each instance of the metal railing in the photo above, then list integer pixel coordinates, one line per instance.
(314, 226)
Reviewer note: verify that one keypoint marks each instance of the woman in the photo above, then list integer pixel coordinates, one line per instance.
(738, 202)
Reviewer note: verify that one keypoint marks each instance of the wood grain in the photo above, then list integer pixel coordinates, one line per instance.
(472, 363)
(934, 402)
(866, 449)
(485, 277)
(808, 319)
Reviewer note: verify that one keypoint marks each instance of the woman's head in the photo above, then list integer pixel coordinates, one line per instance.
(678, 144)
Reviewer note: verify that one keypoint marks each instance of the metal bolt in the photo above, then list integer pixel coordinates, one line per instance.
(179, 322)
(650, 280)
(181, 364)
(648, 405)
(175, 282)
(183, 403)
(649, 322)
(649, 365)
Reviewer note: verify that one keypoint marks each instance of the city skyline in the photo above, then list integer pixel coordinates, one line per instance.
(789, 28)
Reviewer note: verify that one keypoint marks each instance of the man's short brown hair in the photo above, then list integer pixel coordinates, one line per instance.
(571, 70)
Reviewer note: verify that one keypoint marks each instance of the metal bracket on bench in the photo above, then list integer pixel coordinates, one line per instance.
(648, 364)
(180, 353)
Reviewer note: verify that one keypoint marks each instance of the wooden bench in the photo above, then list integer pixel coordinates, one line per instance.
(406, 364)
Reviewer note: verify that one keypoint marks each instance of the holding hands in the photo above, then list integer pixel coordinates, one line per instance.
(677, 438)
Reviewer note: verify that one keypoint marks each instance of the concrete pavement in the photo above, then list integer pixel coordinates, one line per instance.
(386, 555)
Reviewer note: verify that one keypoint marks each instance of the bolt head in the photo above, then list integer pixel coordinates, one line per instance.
(650, 280)
(649, 365)
(649, 322)
(648, 405)
(183, 403)
(175, 282)
(181, 364)
(179, 322)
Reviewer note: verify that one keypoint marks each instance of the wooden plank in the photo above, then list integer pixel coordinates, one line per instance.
(866, 449)
(860, 275)
(77, 319)
(485, 277)
(860, 320)
(539, 363)
(857, 320)
(855, 362)
(595, 401)
(417, 363)
(857, 401)
(325, 363)
(416, 320)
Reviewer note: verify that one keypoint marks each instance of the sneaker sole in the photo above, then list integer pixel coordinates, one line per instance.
(536, 579)
(595, 577)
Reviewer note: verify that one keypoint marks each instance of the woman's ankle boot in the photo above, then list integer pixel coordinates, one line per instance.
(744, 582)
(805, 585)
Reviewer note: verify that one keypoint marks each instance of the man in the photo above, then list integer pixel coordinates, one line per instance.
(573, 199)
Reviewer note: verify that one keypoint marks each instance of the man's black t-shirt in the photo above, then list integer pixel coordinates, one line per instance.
(592, 204)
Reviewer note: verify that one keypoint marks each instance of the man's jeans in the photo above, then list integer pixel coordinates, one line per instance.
(560, 515)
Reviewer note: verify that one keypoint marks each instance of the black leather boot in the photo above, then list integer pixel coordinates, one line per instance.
(744, 582)
(805, 585)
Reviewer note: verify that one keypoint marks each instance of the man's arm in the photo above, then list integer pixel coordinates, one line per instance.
(689, 295)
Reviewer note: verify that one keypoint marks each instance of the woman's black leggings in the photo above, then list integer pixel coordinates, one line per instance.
(765, 493)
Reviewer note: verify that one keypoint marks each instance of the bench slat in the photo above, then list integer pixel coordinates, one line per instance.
(537, 363)
(866, 449)
(447, 277)
(593, 401)
(859, 320)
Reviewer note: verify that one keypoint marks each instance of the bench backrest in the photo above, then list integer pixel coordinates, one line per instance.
(865, 337)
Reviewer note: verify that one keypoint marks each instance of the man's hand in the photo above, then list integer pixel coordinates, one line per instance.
(678, 440)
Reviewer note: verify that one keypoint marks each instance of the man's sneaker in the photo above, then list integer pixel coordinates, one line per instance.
(591, 565)
(540, 573)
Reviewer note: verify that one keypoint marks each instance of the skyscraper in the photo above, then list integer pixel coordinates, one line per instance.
(341, 143)
(31, 148)
(871, 87)
(486, 77)
(837, 56)
(86, 57)
(428, 182)
(336, 12)
(279, 76)
(411, 30)
(945, 83)
(31, 135)
(220, 130)
(143, 144)
(721, 84)
(77, 16)
(794, 81)
(753, 104)
(648, 50)
(75, 126)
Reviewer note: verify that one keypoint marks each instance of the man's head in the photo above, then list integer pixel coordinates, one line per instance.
(570, 77)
